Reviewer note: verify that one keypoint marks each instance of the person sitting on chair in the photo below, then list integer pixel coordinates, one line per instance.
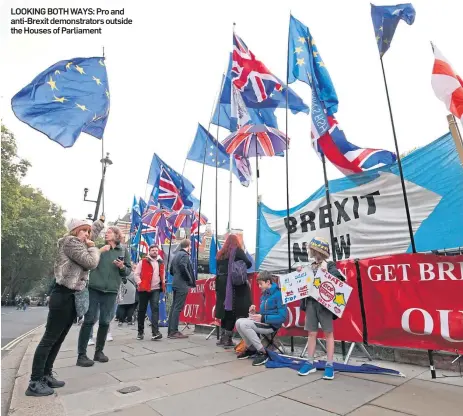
(272, 315)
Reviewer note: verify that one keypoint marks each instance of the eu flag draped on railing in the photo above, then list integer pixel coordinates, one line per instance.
(385, 21)
(170, 189)
(205, 149)
(305, 64)
(66, 99)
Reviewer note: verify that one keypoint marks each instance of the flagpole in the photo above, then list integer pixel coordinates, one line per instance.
(453, 127)
(287, 155)
(257, 203)
(217, 173)
(328, 202)
(399, 163)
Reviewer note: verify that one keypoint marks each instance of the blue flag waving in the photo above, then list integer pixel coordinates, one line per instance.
(385, 20)
(66, 99)
(206, 149)
(306, 65)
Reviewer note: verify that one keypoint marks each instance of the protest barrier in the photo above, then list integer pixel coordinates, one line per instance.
(407, 300)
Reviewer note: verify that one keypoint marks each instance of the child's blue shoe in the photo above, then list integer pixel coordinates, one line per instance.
(306, 369)
(329, 373)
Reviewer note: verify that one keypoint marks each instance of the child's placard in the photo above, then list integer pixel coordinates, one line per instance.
(296, 285)
(331, 292)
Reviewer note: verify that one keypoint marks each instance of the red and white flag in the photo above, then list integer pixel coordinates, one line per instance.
(447, 85)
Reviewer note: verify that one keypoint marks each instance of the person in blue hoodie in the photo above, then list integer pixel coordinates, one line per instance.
(270, 318)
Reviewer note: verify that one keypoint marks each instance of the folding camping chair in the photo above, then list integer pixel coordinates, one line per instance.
(270, 340)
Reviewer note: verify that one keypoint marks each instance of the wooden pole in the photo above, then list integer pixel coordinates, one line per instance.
(453, 127)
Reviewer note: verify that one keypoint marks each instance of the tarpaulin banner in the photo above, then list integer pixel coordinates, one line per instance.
(369, 217)
(193, 311)
(414, 301)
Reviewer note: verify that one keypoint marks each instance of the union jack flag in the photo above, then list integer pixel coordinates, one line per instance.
(329, 139)
(251, 76)
(169, 194)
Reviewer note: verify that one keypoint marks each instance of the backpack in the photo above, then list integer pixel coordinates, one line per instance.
(237, 270)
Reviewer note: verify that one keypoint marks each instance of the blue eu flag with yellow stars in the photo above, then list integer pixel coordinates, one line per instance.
(305, 64)
(385, 21)
(66, 99)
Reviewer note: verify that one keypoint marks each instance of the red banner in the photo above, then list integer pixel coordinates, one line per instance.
(193, 311)
(414, 300)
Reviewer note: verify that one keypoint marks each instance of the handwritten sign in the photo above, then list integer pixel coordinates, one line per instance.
(326, 289)
(296, 285)
(331, 292)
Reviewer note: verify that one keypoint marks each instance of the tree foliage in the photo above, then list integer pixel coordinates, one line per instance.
(31, 225)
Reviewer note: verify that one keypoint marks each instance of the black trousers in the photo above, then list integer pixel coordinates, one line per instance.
(125, 312)
(229, 320)
(153, 299)
(61, 315)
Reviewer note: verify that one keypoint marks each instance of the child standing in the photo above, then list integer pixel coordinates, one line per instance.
(315, 313)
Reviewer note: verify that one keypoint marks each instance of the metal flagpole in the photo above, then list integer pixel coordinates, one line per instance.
(257, 203)
(328, 202)
(453, 127)
(399, 163)
(230, 194)
(287, 157)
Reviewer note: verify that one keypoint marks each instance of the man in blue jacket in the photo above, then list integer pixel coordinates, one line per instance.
(272, 315)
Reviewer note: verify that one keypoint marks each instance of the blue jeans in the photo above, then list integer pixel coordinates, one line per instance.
(104, 304)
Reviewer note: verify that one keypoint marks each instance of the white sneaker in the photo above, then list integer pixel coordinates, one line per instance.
(109, 337)
(91, 341)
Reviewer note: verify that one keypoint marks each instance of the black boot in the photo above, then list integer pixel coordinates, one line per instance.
(156, 335)
(53, 382)
(228, 340)
(39, 388)
(221, 340)
(100, 357)
(84, 361)
(140, 335)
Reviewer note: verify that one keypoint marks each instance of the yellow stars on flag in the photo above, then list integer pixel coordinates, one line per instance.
(97, 80)
(59, 99)
(386, 41)
(298, 50)
(339, 299)
(313, 42)
(378, 38)
(101, 62)
(57, 72)
(381, 28)
(107, 93)
(317, 282)
(315, 53)
(300, 61)
(52, 84)
(321, 63)
(301, 39)
(80, 69)
(82, 107)
(68, 65)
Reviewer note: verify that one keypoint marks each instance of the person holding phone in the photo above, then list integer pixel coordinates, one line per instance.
(113, 268)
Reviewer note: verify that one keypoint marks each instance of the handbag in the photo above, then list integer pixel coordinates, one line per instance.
(237, 270)
(82, 302)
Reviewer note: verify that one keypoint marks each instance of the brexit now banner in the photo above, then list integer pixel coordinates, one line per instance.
(368, 211)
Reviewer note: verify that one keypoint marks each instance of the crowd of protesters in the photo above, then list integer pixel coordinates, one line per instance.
(99, 284)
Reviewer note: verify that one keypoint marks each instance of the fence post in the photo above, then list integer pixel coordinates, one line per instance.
(362, 304)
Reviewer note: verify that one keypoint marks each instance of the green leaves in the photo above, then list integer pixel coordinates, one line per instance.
(31, 225)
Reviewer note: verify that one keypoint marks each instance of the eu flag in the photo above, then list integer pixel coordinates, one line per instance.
(305, 64)
(206, 149)
(385, 20)
(66, 99)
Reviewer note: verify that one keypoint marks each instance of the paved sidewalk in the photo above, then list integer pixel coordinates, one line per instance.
(194, 377)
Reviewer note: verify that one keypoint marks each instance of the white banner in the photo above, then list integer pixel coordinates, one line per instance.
(296, 285)
(369, 221)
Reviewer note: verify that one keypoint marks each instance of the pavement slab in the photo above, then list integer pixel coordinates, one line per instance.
(138, 410)
(79, 384)
(341, 395)
(159, 369)
(443, 377)
(67, 373)
(278, 406)
(375, 411)
(206, 401)
(155, 358)
(423, 398)
(205, 360)
(273, 382)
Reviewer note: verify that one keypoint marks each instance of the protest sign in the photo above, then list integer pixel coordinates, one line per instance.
(296, 285)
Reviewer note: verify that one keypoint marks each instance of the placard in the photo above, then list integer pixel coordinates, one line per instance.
(331, 292)
(296, 285)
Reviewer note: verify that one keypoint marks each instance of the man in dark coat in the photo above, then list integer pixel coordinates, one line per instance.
(184, 278)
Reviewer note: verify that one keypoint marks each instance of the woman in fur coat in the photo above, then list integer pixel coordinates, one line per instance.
(77, 255)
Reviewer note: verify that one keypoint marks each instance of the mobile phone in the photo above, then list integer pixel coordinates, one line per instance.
(120, 258)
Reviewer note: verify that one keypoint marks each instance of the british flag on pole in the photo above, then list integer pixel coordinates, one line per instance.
(249, 75)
